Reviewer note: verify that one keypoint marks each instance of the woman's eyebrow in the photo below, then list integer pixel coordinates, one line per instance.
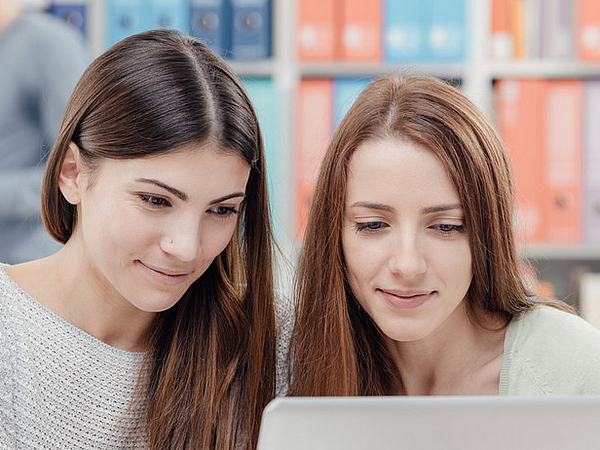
(176, 192)
(441, 208)
(371, 205)
(227, 197)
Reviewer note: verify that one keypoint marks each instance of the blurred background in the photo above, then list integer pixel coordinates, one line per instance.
(533, 66)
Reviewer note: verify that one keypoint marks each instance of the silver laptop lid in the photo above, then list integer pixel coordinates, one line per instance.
(431, 423)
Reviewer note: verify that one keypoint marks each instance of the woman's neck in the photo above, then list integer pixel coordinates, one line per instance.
(9, 13)
(460, 358)
(71, 292)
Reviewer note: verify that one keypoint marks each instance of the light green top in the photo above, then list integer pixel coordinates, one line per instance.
(550, 352)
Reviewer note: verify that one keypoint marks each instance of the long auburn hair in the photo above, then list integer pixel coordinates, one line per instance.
(336, 348)
(211, 366)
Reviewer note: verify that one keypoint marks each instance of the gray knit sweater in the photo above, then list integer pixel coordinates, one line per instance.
(61, 388)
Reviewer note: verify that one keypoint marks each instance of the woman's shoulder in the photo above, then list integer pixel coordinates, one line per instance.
(547, 322)
(550, 351)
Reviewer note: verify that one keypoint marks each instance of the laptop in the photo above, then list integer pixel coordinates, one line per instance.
(431, 423)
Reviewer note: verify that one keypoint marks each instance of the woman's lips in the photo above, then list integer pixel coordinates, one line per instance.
(165, 276)
(406, 299)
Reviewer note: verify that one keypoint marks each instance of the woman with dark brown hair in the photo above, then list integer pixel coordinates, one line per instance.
(154, 325)
(409, 282)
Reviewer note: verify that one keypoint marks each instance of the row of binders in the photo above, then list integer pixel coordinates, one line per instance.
(436, 31)
(382, 30)
(236, 29)
(550, 127)
(546, 29)
(321, 104)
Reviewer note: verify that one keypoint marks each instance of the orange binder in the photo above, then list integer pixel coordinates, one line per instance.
(588, 30)
(315, 117)
(517, 26)
(361, 30)
(318, 31)
(502, 37)
(522, 127)
(563, 155)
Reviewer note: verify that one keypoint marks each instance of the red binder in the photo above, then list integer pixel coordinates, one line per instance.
(315, 116)
(318, 31)
(361, 30)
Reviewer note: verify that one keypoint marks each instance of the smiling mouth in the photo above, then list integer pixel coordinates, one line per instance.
(406, 299)
(165, 275)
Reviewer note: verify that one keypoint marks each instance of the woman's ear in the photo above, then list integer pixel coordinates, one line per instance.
(69, 180)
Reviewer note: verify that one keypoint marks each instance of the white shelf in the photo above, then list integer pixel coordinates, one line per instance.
(543, 69)
(369, 69)
(264, 68)
(547, 252)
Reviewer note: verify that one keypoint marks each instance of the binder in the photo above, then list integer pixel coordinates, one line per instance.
(517, 24)
(521, 126)
(263, 93)
(251, 29)
(210, 21)
(588, 30)
(346, 90)
(405, 30)
(446, 30)
(502, 37)
(72, 12)
(534, 31)
(563, 161)
(124, 18)
(361, 30)
(592, 163)
(170, 14)
(318, 30)
(315, 104)
(559, 29)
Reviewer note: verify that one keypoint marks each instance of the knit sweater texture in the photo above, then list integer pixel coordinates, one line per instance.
(61, 388)
(550, 352)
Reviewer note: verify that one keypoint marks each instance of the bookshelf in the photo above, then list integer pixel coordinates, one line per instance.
(476, 73)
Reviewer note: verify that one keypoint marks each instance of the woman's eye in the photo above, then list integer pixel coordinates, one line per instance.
(450, 229)
(224, 211)
(369, 226)
(154, 201)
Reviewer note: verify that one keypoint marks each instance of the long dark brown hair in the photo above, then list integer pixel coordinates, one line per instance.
(211, 368)
(336, 348)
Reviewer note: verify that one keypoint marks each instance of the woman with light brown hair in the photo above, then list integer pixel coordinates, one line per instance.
(408, 279)
(153, 326)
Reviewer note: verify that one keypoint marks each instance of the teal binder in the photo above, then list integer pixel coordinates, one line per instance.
(447, 30)
(263, 93)
(346, 90)
(170, 14)
(405, 33)
(124, 18)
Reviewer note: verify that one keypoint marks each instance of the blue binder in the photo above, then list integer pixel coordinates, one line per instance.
(447, 29)
(170, 14)
(210, 22)
(405, 34)
(346, 90)
(124, 18)
(72, 13)
(251, 29)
